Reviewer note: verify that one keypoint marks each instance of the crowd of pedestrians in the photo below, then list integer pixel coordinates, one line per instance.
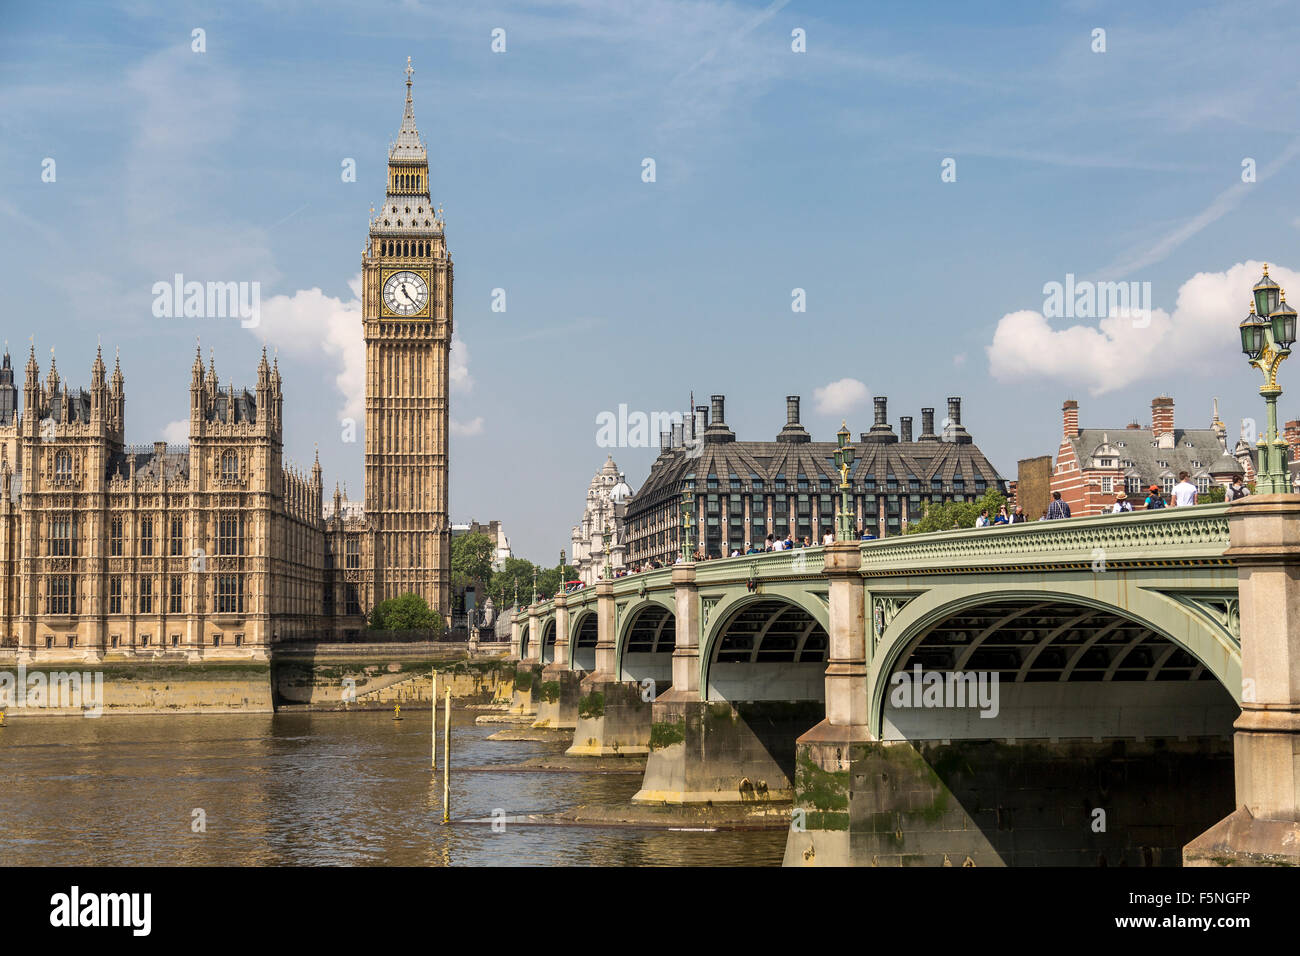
(1183, 494)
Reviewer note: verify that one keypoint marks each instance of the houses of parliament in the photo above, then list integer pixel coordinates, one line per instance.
(220, 549)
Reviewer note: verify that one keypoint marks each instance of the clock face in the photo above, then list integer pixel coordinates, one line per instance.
(405, 293)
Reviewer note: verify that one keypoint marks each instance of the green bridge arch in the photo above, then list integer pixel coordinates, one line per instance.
(1178, 619)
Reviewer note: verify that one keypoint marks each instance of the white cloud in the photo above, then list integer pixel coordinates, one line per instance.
(1200, 335)
(310, 324)
(461, 380)
(840, 397)
(474, 427)
(177, 432)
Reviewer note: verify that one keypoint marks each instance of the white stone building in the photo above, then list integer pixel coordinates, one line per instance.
(605, 510)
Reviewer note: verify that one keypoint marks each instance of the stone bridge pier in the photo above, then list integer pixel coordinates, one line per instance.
(613, 714)
(1265, 827)
(710, 745)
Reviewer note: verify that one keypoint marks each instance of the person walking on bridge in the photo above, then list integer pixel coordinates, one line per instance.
(1184, 491)
(1058, 508)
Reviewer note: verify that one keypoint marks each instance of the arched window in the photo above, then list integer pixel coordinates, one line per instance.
(63, 465)
(229, 465)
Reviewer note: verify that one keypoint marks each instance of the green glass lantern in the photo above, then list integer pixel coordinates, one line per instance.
(1282, 319)
(1252, 335)
(1266, 294)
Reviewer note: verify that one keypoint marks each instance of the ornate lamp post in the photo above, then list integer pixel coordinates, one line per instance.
(844, 456)
(561, 587)
(1267, 335)
(688, 506)
(534, 585)
(608, 571)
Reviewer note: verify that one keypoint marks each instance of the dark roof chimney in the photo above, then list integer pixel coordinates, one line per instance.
(718, 430)
(927, 425)
(793, 431)
(880, 431)
(905, 428)
(952, 428)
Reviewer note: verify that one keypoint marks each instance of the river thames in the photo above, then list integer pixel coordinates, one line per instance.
(311, 789)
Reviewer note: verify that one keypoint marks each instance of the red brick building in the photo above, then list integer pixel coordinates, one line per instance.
(1093, 464)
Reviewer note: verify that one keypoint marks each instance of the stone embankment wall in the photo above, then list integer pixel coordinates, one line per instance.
(322, 677)
(326, 679)
(106, 689)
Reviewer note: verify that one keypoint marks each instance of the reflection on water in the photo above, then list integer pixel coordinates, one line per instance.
(308, 789)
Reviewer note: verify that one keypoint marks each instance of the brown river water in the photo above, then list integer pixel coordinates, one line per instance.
(304, 789)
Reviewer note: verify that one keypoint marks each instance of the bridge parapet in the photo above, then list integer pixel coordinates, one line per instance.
(1164, 538)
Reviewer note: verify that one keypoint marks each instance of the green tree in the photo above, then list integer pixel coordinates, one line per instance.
(471, 560)
(957, 514)
(515, 571)
(548, 580)
(409, 612)
(1216, 492)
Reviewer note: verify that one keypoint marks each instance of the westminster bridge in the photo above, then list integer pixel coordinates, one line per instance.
(1055, 692)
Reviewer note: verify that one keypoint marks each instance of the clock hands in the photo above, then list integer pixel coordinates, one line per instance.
(406, 293)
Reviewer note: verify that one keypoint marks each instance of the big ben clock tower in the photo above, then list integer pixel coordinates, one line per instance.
(407, 317)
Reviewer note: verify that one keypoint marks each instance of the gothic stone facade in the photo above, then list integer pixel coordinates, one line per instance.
(407, 302)
(218, 549)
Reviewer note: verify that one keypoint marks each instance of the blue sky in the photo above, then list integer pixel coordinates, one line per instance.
(775, 171)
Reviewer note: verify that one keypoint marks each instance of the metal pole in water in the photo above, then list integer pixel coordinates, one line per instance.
(433, 705)
(446, 762)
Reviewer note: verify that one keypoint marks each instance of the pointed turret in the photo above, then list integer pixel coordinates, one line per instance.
(98, 390)
(8, 392)
(211, 389)
(52, 380)
(408, 147)
(117, 398)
